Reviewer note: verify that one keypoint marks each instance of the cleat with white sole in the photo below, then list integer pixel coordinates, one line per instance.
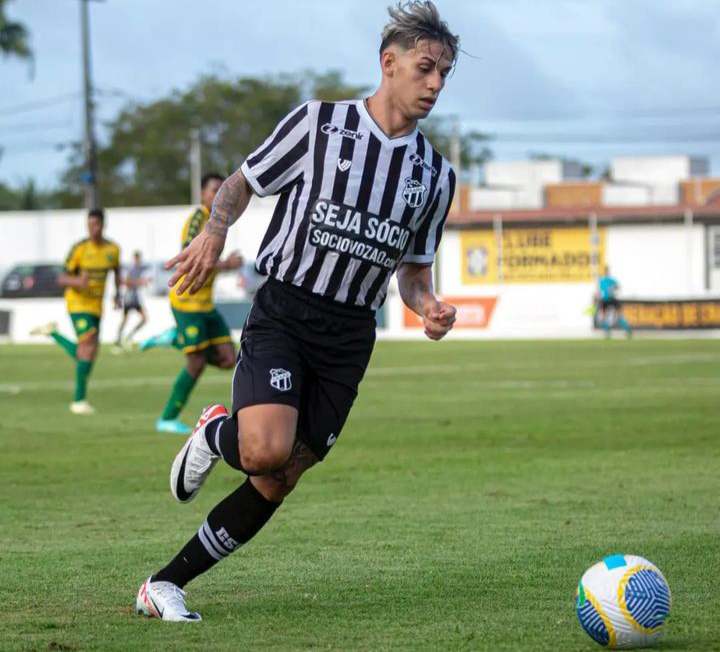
(45, 329)
(164, 600)
(81, 407)
(193, 463)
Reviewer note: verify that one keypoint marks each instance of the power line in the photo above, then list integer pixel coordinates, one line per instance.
(24, 128)
(592, 138)
(40, 104)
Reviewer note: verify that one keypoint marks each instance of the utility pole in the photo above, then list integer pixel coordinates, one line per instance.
(195, 166)
(455, 161)
(90, 173)
(455, 146)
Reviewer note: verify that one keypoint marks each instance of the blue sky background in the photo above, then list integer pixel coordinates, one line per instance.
(583, 78)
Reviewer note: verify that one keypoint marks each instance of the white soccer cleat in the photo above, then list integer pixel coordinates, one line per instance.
(193, 463)
(45, 329)
(81, 407)
(164, 600)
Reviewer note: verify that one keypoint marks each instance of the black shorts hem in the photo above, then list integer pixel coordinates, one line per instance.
(292, 401)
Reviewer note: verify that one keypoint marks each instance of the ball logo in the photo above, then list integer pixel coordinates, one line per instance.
(477, 261)
(414, 193)
(280, 379)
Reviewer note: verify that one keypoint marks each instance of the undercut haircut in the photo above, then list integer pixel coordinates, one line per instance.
(417, 20)
(98, 213)
(210, 176)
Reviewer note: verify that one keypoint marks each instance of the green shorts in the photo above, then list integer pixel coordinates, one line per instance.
(85, 324)
(196, 331)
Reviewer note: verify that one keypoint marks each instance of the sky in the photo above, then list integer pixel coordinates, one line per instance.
(587, 79)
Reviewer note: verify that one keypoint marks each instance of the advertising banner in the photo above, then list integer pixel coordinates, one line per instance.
(472, 312)
(536, 255)
(700, 313)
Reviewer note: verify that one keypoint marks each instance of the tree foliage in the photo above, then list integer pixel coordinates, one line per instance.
(145, 160)
(14, 37)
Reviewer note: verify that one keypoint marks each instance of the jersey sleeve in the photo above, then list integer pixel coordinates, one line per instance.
(116, 257)
(281, 158)
(193, 226)
(425, 242)
(72, 262)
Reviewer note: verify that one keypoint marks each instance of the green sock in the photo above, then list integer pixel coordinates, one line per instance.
(67, 345)
(184, 384)
(82, 373)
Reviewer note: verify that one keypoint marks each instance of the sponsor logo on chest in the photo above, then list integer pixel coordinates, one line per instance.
(330, 129)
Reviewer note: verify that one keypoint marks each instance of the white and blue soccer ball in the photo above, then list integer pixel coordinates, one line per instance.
(623, 601)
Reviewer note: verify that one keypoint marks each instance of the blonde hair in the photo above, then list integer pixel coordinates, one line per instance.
(414, 21)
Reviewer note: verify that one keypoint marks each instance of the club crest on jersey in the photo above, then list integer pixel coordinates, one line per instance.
(344, 164)
(329, 129)
(280, 379)
(414, 193)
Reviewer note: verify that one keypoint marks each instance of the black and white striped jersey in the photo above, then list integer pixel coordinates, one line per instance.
(353, 204)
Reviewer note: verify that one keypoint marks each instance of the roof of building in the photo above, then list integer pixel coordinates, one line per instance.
(603, 214)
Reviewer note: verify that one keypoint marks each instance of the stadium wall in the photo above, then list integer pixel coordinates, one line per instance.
(650, 260)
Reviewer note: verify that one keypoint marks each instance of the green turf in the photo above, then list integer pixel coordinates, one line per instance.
(472, 486)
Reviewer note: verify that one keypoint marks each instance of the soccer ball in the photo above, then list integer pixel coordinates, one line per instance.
(623, 601)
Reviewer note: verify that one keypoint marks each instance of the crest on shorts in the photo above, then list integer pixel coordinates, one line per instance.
(414, 193)
(280, 379)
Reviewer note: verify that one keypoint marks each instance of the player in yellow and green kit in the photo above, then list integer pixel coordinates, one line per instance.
(86, 270)
(201, 332)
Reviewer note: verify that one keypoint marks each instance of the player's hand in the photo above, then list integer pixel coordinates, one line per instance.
(438, 319)
(83, 280)
(233, 261)
(196, 262)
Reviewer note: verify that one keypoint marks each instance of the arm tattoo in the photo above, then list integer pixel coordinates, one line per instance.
(230, 201)
(415, 288)
(301, 459)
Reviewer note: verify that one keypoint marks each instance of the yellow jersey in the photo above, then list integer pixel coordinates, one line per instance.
(202, 300)
(97, 259)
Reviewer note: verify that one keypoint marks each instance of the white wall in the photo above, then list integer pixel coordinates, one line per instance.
(657, 169)
(662, 260)
(46, 236)
(520, 173)
(488, 198)
(650, 260)
(617, 194)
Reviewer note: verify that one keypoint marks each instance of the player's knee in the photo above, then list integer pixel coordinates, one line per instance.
(261, 452)
(195, 364)
(273, 489)
(227, 362)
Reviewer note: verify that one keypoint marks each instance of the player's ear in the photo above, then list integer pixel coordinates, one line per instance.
(388, 60)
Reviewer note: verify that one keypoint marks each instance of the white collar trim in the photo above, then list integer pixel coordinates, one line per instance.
(379, 133)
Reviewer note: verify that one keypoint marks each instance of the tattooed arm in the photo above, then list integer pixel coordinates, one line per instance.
(198, 260)
(416, 289)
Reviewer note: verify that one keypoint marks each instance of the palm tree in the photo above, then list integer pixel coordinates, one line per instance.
(14, 37)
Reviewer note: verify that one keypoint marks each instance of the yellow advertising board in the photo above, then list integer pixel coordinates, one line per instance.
(702, 313)
(535, 255)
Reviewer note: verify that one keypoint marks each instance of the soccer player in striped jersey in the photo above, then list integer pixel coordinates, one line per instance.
(362, 195)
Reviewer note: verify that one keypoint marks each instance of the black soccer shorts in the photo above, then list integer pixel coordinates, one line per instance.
(306, 351)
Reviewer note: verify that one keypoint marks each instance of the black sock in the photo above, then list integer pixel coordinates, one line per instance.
(221, 436)
(231, 523)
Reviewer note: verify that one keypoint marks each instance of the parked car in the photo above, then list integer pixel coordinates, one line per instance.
(32, 281)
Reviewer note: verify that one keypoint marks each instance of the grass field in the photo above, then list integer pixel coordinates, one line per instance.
(473, 485)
